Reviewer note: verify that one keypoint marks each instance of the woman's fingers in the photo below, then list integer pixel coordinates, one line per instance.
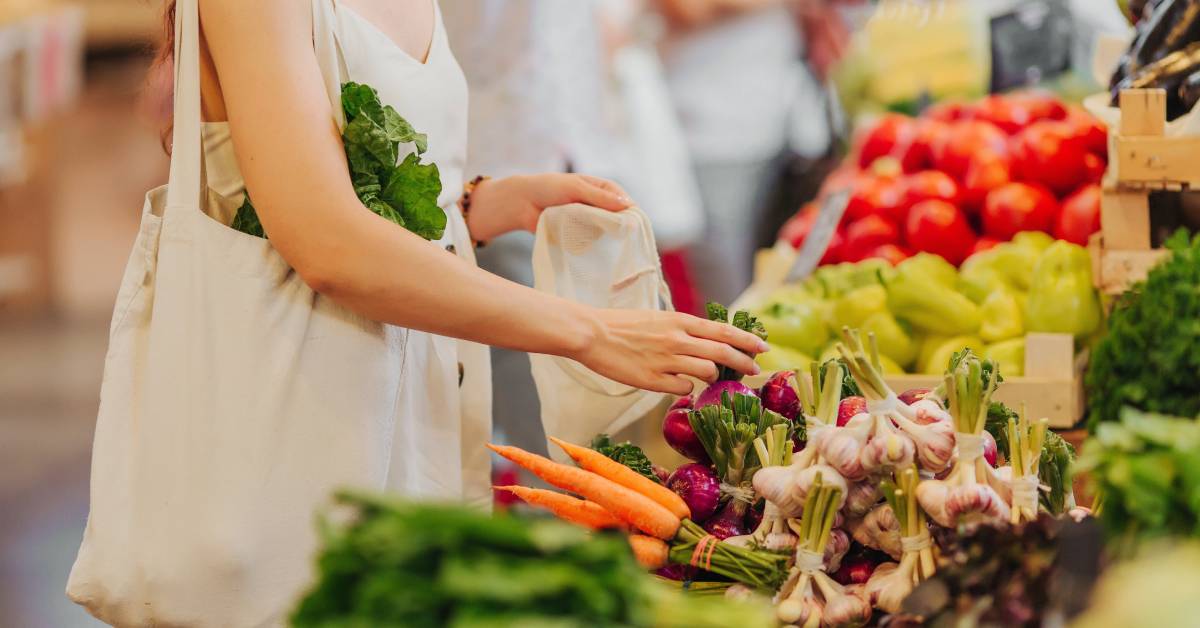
(728, 334)
(672, 384)
(720, 353)
(601, 193)
(701, 369)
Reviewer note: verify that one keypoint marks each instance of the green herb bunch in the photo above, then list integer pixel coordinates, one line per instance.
(1145, 470)
(425, 566)
(728, 431)
(404, 192)
(1150, 358)
(627, 454)
(1054, 466)
(741, 320)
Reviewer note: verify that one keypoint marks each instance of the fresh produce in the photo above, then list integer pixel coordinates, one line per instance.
(1061, 296)
(891, 583)
(651, 553)
(1145, 470)
(1080, 215)
(632, 507)
(605, 467)
(699, 487)
(741, 320)
(1164, 54)
(627, 454)
(962, 172)
(1054, 461)
(1155, 589)
(1150, 357)
(395, 564)
(677, 431)
(404, 192)
(567, 508)
(779, 395)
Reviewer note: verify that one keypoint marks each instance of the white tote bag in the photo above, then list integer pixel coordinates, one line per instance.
(606, 260)
(234, 401)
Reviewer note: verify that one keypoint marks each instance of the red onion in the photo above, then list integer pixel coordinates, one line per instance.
(855, 570)
(682, 573)
(914, 394)
(677, 431)
(730, 521)
(780, 397)
(849, 407)
(990, 452)
(754, 518)
(712, 395)
(699, 487)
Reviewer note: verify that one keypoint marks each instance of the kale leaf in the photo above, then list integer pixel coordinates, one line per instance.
(741, 320)
(627, 454)
(405, 193)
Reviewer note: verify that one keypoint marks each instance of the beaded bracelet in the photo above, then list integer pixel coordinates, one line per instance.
(464, 201)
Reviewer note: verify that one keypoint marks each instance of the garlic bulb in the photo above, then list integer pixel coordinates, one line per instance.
(861, 498)
(778, 485)
(835, 550)
(887, 451)
(842, 451)
(879, 530)
(848, 610)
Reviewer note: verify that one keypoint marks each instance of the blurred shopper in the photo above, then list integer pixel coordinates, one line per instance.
(747, 101)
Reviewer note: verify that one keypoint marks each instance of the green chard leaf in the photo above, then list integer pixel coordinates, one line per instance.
(412, 190)
(627, 454)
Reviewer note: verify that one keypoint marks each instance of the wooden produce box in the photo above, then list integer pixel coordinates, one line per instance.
(1143, 160)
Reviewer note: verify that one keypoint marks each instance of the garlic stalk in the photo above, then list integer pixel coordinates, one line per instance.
(1025, 452)
(820, 411)
(775, 482)
(915, 542)
(810, 597)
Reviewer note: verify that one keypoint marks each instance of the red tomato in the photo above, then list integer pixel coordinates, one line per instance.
(985, 172)
(941, 228)
(930, 134)
(947, 111)
(965, 140)
(1080, 216)
(893, 135)
(926, 185)
(874, 195)
(796, 229)
(1008, 113)
(1041, 105)
(1090, 128)
(1051, 153)
(983, 244)
(1017, 207)
(893, 253)
(835, 253)
(1095, 167)
(866, 234)
(843, 177)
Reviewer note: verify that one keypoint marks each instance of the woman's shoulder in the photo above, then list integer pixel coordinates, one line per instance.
(268, 19)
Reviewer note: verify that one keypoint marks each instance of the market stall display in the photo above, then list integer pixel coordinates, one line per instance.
(963, 177)
(1164, 54)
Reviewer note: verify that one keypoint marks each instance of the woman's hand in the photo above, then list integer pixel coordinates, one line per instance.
(499, 206)
(656, 350)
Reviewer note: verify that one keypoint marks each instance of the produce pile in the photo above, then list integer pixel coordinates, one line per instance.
(1164, 54)
(828, 504)
(924, 309)
(964, 177)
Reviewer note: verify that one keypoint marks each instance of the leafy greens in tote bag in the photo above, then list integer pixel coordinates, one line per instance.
(404, 192)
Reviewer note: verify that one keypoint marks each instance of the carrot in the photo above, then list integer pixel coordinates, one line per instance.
(604, 466)
(650, 552)
(566, 507)
(629, 506)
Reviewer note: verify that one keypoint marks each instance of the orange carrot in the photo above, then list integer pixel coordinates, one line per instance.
(650, 552)
(604, 466)
(566, 507)
(629, 506)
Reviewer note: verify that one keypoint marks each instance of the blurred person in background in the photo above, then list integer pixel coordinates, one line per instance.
(748, 79)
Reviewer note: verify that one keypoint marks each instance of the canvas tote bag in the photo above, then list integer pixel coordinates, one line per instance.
(234, 401)
(607, 260)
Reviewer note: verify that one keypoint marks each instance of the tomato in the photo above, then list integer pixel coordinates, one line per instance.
(926, 185)
(985, 172)
(842, 178)
(1016, 207)
(796, 229)
(892, 253)
(983, 244)
(947, 111)
(835, 252)
(1094, 165)
(1041, 105)
(965, 140)
(1008, 113)
(1080, 216)
(893, 134)
(941, 228)
(1052, 154)
(866, 234)
(1090, 128)
(874, 195)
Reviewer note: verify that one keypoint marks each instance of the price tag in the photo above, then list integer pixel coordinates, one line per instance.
(1030, 43)
(817, 241)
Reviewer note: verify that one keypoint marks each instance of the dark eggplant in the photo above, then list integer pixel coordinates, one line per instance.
(1167, 73)
(1167, 30)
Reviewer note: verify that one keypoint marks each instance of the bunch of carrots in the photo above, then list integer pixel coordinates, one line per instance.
(613, 497)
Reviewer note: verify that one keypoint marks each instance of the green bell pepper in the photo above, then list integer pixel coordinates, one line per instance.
(931, 306)
(1009, 354)
(1061, 296)
(799, 325)
(1002, 316)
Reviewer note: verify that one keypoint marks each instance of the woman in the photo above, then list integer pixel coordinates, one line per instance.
(247, 378)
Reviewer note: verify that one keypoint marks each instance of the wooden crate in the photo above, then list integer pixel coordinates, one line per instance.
(1143, 160)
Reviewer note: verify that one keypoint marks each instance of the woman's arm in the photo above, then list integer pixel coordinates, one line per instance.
(291, 155)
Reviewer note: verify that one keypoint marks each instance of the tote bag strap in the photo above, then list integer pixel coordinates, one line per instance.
(185, 186)
(330, 56)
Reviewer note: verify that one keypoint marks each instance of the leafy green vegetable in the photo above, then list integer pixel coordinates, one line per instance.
(1054, 467)
(1150, 358)
(728, 430)
(849, 385)
(741, 320)
(404, 192)
(1146, 470)
(396, 564)
(627, 454)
